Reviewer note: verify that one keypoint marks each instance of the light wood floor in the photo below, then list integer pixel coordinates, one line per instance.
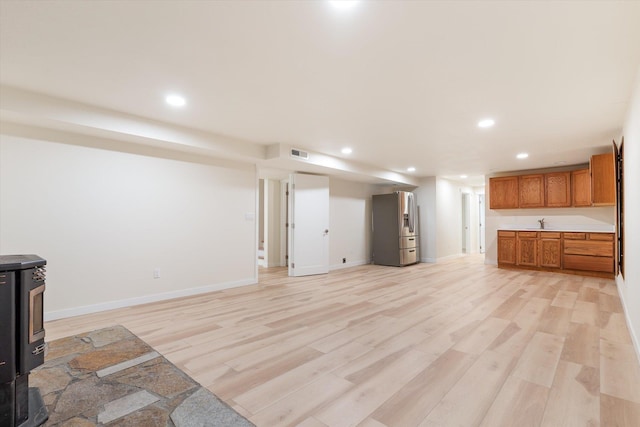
(457, 343)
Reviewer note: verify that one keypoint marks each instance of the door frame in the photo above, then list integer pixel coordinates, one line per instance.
(284, 223)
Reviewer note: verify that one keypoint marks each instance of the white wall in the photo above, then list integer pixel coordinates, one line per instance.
(448, 216)
(104, 220)
(426, 200)
(349, 222)
(629, 286)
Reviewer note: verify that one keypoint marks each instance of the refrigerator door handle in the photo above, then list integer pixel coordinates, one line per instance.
(411, 209)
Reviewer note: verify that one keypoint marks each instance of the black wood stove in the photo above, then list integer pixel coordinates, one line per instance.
(22, 345)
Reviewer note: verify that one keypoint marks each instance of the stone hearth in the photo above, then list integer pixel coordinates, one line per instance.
(111, 377)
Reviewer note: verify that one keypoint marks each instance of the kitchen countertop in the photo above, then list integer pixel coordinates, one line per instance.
(563, 229)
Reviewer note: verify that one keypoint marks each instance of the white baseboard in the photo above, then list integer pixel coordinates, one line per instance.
(448, 257)
(443, 258)
(347, 265)
(275, 264)
(635, 339)
(129, 302)
(634, 336)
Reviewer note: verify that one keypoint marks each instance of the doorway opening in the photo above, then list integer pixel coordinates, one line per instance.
(481, 226)
(284, 223)
(261, 221)
(272, 215)
(466, 223)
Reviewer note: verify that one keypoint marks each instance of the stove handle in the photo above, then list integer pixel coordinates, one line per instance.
(39, 349)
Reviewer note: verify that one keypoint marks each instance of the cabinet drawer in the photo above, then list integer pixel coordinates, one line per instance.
(588, 263)
(601, 236)
(549, 235)
(575, 236)
(528, 234)
(588, 247)
(408, 256)
(506, 233)
(408, 242)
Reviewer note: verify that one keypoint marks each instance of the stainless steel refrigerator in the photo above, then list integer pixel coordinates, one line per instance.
(395, 229)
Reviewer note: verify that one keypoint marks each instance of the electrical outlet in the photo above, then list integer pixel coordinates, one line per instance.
(156, 273)
(344, 260)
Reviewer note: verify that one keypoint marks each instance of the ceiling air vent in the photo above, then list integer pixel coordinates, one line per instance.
(299, 154)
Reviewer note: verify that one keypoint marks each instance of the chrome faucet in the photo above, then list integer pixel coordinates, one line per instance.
(541, 221)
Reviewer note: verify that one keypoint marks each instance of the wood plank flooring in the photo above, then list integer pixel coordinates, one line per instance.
(456, 343)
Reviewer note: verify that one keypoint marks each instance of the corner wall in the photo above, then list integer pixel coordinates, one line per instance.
(426, 200)
(349, 223)
(629, 286)
(105, 220)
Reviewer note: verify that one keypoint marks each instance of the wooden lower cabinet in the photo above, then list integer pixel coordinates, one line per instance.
(588, 263)
(506, 247)
(550, 247)
(571, 252)
(527, 248)
(589, 252)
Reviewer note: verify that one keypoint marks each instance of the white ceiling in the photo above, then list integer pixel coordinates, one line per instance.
(402, 83)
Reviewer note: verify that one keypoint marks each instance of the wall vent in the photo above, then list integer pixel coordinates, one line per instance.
(299, 154)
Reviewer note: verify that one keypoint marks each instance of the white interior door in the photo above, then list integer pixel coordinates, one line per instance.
(309, 225)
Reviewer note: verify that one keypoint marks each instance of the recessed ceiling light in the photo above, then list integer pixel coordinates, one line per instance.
(176, 100)
(486, 123)
(347, 150)
(522, 156)
(463, 176)
(411, 169)
(343, 4)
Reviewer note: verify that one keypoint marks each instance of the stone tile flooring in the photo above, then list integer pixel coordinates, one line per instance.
(111, 377)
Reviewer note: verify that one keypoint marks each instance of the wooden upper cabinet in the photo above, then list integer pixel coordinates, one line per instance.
(531, 191)
(558, 189)
(595, 186)
(581, 187)
(603, 180)
(503, 192)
